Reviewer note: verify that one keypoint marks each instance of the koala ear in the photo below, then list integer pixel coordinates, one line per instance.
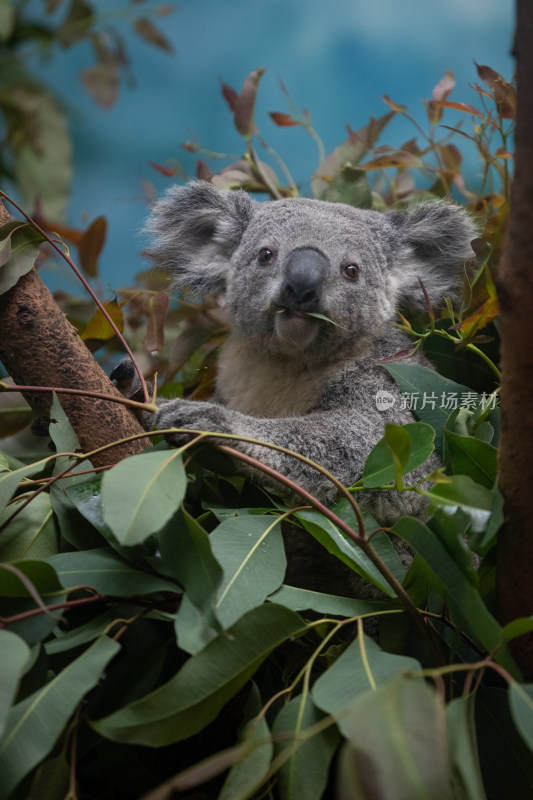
(432, 242)
(195, 229)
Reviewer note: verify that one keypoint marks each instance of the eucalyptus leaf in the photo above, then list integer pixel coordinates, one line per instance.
(304, 773)
(521, 701)
(106, 572)
(49, 709)
(141, 493)
(31, 534)
(397, 744)
(362, 666)
(16, 656)
(413, 451)
(251, 554)
(247, 776)
(194, 696)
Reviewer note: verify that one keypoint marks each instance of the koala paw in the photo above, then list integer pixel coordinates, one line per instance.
(190, 414)
(123, 376)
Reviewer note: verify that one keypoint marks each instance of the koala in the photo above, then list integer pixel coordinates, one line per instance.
(285, 376)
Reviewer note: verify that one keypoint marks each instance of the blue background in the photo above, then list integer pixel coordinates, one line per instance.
(336, 57)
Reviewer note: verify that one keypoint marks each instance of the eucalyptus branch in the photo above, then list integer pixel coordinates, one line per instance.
(86, 284)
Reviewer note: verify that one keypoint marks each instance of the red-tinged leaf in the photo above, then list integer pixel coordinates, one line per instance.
(444, 87)
(460, 183)
(503, 92)
(354, 137)
(91, 245)
(148, 31)
(155, 330)
(283, 120)
(203, 171)
(501, 152)
(244, 111)
(459, 107)
(394, 159)
(401, 355)
(441, 91)
(411, 147)
(230, 96)
(451, 157)
(394, 106)
(480, 318)
(99, 328)
(483, 92)
(169, 172)
(101, 81)
(73, 235)
(458, 130)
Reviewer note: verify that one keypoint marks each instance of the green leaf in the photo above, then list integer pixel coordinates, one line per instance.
(31, 534)
(39, 573)
(305, 772)
(351, 151)
(194, 696)
(106, 572)
(141, 493)
(461, 491)
(463, 599)
(325, 604)
(468, 455)
(427, 394)
(193, 631)
(49, 709)
(505, 759)
(10, 479)
(336, 543)
(349, 186)
(521, 701)
(82, 634)
(52, 779)
(463, 749)
(248, 775)
(186, 550)
(362, 666)
(18, 251)
(381, 467)
(397, 744)
(16, 656)
(251, 554)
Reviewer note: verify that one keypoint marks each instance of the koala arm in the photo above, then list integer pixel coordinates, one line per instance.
(338, 440)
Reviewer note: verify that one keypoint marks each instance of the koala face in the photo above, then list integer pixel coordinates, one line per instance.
(280, 261)
(298, 257)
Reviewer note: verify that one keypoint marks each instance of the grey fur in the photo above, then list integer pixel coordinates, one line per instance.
(288, 378)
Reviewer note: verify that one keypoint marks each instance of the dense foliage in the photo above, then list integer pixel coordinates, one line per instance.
(150, 647)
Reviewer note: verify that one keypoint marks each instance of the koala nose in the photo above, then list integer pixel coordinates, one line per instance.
(304, 275)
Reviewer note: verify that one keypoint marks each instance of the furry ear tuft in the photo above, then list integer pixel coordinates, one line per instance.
(431, 241)
(195, 230)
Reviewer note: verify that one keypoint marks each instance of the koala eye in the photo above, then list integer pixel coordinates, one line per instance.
(266, 256)
(351, 271)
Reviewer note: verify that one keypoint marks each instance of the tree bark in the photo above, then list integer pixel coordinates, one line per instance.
(514, 581)
(39, 347)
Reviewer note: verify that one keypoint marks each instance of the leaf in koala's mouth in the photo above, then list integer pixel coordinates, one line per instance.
(325, 319)
(292, 312)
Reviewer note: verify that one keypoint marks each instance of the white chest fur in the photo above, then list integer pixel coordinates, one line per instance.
(267, 387)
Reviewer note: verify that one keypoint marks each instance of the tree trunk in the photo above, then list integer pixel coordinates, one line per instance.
(514, 581)
(39, 347)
